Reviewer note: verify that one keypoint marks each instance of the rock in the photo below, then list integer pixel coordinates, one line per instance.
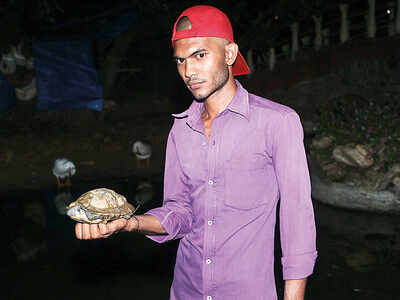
(355, 156)
(308, 127)
(323, 142)
(333, 170)
(387, 178)
(396, 183)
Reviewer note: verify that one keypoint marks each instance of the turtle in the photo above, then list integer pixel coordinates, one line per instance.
(100, 206)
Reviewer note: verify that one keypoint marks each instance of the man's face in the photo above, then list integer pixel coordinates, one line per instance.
(201, 64)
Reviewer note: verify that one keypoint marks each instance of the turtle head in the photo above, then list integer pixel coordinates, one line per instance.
(77, 213)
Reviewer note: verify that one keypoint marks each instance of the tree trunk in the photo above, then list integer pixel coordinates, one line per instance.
(8, 64)
(371, 20)
(325, 37)
(391, 20)
(285, 50)
(111, 65)
(398, 17)
(318, 32)
(344, 24)
(272, 59)
(305, 41)
(295, 40)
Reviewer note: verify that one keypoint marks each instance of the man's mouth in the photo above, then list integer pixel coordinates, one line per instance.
(194, 84)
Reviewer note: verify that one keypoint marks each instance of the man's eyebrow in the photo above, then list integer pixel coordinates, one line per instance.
(192, 54)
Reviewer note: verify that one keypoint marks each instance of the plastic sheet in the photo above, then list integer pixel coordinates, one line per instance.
(66, 77)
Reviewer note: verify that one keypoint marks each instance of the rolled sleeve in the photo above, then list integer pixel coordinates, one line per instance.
(297, 224)
(175, 215)
(298, 266)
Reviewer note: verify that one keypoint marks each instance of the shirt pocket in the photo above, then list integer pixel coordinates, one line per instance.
(245, 184)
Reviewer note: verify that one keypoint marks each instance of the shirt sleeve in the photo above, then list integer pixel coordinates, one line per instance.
(175, 215)
(297, 224)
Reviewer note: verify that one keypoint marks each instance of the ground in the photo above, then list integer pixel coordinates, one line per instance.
(99, 143)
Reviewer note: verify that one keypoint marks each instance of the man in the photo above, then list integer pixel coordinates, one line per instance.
(229, 158)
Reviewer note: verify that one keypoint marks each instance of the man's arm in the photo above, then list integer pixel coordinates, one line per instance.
(297, 224)
(146, 224)
(295, 289)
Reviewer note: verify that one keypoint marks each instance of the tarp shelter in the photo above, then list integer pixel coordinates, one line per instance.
(7, 94)
(66, 77)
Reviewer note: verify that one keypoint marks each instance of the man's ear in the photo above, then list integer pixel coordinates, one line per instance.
(231, 51)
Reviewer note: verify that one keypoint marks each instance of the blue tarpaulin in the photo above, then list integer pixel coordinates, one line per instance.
(66, 77)
(7, 94)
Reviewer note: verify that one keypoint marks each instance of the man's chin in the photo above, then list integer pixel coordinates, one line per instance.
(200, 100)
(199, 97)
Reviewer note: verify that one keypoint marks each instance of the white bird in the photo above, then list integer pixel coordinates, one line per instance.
(142, 151)
(63, 170)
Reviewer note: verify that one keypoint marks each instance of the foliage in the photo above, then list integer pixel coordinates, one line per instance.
(352, 119)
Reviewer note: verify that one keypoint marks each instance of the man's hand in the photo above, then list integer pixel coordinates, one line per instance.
(96, 231)
(146, 224)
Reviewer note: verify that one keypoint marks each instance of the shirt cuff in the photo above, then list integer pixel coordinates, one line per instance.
(298, 266)
(169, 222)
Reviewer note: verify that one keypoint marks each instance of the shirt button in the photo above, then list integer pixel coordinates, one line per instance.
(209, 298)
(208, 261)
(210, 182)
(213, 142)
(210, 222)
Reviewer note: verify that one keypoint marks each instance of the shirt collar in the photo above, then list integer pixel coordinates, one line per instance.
(239, 104)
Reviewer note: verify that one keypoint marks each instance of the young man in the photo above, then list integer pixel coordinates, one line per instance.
(230, 157)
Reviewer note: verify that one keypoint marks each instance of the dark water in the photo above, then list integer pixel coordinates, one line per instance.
(358, 255)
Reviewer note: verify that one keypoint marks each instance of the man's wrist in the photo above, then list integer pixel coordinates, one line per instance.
(132, 224)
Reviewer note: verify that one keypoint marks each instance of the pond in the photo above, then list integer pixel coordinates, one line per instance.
(358, 254)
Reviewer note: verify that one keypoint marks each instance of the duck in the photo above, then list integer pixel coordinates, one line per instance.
(63, 170)
(142, 151)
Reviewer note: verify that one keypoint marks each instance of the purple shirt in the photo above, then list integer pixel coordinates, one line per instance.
(220, 199)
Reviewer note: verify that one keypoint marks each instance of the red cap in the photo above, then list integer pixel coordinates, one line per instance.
(208, 21)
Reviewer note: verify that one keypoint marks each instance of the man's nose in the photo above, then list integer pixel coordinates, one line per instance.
(190, 69)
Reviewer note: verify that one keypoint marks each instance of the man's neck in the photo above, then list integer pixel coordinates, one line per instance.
(217, 102)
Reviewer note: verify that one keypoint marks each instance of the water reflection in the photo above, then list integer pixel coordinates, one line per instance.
(358, 253)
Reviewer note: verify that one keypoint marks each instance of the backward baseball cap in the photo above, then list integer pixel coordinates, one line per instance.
(208, 21)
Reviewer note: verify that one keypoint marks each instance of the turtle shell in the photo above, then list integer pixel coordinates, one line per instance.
(100, 206)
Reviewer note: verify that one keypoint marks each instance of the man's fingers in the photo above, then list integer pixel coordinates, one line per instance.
(94, 231)
(78, 230)
(85, 231)
(103, 228)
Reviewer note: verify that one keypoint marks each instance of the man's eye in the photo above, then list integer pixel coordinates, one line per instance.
(180, 61)
(201, 55)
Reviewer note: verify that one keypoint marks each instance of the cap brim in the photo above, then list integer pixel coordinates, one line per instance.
(240, 66)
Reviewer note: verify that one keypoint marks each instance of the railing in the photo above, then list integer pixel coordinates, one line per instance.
(340, 23)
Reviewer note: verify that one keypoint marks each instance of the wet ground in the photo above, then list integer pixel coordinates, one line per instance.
(358, 255)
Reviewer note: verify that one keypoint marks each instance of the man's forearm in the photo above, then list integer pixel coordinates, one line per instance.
(295, 289)
(146, 224)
